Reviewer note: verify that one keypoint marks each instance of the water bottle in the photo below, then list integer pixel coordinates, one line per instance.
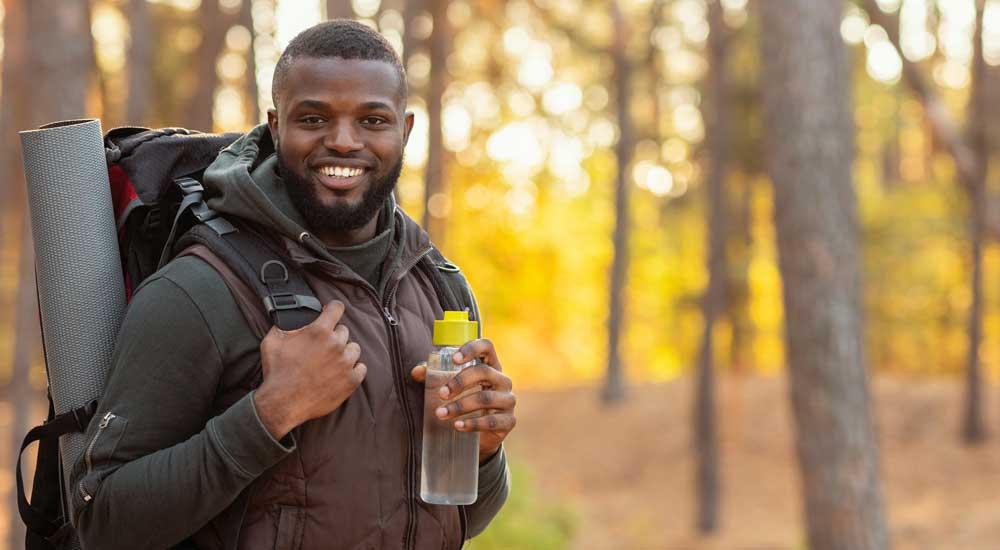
(449, 471)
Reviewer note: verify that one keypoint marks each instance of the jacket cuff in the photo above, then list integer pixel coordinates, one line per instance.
(245, 442)
(492, 470)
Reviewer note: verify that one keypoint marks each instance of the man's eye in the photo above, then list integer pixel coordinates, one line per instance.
(311, 120)
(374, 121)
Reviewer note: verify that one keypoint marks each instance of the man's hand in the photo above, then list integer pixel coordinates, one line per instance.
(496, 399)
(308, 372)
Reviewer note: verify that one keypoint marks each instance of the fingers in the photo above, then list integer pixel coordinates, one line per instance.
(358, 374)
(330, 316)
(481, 349)
(501, 402)
(419, 372)
(500, 422)
(484, 375)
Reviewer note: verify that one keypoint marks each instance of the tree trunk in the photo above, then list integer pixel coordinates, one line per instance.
(807, 106)
(973, 427)
(57, 32)
(339, 9)
(738, 287)
(199, 114)
(250, 87)
(411, 9)
(435, 168)
(713, 302)
(614, 388)
(140, 64)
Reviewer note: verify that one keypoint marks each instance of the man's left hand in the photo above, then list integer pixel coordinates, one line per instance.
(496, 400)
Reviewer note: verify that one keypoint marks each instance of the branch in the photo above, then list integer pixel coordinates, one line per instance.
(942, 124)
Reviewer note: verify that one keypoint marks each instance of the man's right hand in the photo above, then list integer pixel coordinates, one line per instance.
(308, 372)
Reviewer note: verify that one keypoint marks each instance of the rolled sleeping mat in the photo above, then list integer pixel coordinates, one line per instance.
(81, 291)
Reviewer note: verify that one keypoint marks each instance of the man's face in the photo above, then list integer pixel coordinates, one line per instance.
(340, 129)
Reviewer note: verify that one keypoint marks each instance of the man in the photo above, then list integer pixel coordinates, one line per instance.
(187, 450)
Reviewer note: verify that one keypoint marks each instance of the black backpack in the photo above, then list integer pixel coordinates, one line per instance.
(158, 199)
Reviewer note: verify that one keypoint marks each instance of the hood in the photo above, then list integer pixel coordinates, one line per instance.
(243, 182)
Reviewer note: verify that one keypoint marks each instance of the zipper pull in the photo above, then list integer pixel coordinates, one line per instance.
(389, 317)
(106, 420)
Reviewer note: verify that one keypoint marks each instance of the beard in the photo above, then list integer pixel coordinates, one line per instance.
(338, 217)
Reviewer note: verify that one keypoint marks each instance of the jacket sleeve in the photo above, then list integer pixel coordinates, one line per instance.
(494, 485)
(158, 465)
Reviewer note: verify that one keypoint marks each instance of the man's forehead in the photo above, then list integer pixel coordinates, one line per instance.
(360, 80)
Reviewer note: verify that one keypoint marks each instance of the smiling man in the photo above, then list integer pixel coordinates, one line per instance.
(224, 436)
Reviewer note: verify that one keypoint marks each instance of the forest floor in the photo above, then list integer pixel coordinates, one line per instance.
(627, 471)
(624, 473)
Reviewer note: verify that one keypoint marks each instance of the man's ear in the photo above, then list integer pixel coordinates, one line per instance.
(272, 125)
(407, 127)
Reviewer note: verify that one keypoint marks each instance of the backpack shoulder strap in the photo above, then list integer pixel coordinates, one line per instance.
(451, 286)
(268, 281)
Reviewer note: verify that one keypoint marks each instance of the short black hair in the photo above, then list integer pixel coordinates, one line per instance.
(341, 38)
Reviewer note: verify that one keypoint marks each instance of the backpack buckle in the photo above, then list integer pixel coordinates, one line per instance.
(286, 300)
(189, 185)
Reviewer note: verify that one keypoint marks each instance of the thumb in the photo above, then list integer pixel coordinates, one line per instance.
(330, 316)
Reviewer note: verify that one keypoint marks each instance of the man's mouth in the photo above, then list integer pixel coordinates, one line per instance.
(340, 178)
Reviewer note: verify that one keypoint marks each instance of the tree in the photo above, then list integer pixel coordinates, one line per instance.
(140, 64)
(57, 33)
(440, 45)
(614, 388)
(713, 301)
(199, 113)
(970, 154)
(339, 9)
(808, 114)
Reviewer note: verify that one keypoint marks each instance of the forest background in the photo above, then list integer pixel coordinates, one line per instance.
(600, 170)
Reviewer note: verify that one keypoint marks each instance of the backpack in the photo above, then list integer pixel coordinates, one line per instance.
(160, 212)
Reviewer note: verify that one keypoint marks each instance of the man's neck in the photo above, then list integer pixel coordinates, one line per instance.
(353, 237)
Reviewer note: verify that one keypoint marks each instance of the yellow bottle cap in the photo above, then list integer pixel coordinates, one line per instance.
(455, 330)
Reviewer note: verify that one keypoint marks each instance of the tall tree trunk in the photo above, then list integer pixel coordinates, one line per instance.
(434, 171)
(339, 9)
(807, 106)
(973, 428)
(738, 287)
(140, 64)
(250, 86)
(614, 388)
(57, 32)
(713, 302)
(199, 114)
(411, 9)
(13, 117)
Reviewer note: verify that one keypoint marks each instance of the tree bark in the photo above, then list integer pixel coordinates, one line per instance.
(973, 426)
(57, 33)
(807, 106)
(713, 302)
(339, 9)
(614, 388)
(411, 9)
(200, 110)
(140, 64)
(435, 169)
(250, 88)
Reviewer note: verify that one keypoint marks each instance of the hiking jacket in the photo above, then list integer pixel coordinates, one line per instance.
(178, 456)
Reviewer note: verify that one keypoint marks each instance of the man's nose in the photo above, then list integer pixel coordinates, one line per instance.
(343, 138)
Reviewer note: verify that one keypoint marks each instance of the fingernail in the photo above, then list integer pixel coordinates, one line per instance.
(441, 412)
(444, 391)
(457, 357)
(459, 424)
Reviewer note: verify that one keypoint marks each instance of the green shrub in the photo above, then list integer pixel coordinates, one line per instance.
(529, 520)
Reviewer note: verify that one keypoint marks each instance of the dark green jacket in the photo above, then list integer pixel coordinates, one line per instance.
(178, 454)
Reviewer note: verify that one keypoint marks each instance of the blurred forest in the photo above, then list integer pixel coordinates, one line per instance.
(641, 192)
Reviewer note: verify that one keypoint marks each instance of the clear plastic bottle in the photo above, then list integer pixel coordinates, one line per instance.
(449, 471)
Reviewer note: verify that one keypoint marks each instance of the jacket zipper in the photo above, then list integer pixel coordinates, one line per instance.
(392, 325)
(105, 420)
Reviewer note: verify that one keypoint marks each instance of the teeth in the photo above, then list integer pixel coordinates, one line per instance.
(340, 171)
